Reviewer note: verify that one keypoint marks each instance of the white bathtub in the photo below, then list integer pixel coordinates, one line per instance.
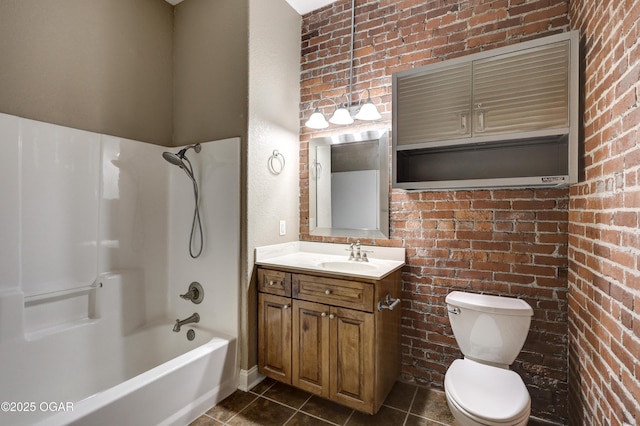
(174, 392)
(112, 369)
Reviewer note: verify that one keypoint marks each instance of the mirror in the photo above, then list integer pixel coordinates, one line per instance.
(349, 185)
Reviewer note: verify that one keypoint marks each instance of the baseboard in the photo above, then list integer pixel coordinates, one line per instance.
(249, 378)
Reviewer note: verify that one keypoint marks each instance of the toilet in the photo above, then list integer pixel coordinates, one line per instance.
(490, 331)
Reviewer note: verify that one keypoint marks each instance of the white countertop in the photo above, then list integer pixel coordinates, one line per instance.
(331, 258)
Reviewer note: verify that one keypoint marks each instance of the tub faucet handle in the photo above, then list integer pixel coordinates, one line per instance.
(195, 293)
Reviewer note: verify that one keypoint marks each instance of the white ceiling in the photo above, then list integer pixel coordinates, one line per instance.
(306, 6)
(301, 6)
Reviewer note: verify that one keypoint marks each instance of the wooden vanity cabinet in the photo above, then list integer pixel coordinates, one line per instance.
(340, 346)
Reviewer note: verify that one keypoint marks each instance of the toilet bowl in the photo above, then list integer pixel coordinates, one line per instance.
(480, 394)
(480, 388)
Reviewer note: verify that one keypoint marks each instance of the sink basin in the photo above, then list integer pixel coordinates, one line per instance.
(328, 258)
(347, 266)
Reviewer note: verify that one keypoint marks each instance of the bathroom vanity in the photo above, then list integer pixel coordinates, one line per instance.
(329, 325)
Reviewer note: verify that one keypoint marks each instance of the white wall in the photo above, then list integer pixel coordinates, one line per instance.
(78, 205)
(274, 95)
(217, 268)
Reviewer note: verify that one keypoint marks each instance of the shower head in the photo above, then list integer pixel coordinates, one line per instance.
(174, 159)
(179, 158)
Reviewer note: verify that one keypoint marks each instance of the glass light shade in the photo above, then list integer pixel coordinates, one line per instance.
(341, 116)
(368, 112)
(317, 121)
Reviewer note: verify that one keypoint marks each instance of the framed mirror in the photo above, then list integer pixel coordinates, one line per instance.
(349, 185)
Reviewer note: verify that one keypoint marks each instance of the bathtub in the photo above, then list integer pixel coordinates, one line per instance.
(174, 392)
(111, 368)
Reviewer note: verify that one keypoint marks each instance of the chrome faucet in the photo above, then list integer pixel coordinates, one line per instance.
(192, 319)
(350, 250)
(356, 253)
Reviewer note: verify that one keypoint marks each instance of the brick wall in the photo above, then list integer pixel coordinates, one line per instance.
(604, 279)
(506, 242)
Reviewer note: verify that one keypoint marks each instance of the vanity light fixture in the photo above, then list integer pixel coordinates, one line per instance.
(317, 120)
(341, 115)
(368, 111)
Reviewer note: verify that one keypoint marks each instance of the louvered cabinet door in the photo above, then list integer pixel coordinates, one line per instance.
(433, 105)
(522, 91)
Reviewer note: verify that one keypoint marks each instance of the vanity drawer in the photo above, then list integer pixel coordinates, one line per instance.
(274, 282)
(348, 294)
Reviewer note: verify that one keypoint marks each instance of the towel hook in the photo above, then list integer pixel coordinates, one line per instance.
(276, 162)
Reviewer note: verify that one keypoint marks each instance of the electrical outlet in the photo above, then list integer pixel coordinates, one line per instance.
(283, 227)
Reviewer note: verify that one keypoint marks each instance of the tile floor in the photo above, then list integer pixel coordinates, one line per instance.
(271, 403)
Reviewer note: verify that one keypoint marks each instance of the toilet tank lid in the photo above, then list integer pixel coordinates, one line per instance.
(487, 303)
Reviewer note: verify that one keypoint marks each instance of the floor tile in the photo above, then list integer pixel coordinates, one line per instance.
(271, 403)
(327, 410)
(432, 404)
(385, 417)
(288, 395)
(262, 412)
(420, 421)
(261, 387)
(231, 405)
(302, 419)
(401, 396)
(205, 421)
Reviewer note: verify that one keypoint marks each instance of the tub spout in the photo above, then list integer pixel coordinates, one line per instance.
(192, 319)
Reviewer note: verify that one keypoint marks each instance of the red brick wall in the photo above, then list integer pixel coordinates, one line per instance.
(507, 242)
(604, 235)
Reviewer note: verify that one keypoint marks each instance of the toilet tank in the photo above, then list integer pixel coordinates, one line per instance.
(489, 329)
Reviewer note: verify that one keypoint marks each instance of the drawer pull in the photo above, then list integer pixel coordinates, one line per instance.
(327, 292)
(272, 282)
(332, 316)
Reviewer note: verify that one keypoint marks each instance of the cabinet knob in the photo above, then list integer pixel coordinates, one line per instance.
(324, 314)
(332, 316)
(285, 306)
(272, 282)
(327, 292)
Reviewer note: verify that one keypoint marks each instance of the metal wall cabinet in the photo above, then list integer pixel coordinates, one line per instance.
(507, 117)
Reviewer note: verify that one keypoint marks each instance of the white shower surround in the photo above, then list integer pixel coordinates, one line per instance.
(80, 208)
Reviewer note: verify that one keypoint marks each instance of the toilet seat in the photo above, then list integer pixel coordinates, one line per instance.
(489, 395)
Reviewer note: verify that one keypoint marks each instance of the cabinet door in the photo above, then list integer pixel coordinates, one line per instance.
(433, 105)
(351, 358)
(274, 337)
(522, 91)
(311, 347)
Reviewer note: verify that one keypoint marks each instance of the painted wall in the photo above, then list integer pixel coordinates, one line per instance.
(274, 96)
(604, 221)
(210, 70)
(506, 242)
(103, 66)
(133, 70)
